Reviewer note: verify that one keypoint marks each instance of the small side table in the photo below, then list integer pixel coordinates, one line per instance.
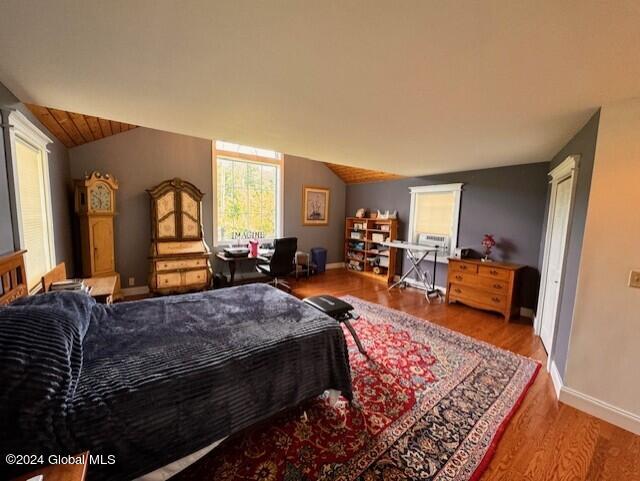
(102, 289)
(60, 472)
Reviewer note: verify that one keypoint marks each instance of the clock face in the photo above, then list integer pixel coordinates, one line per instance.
(100, 198)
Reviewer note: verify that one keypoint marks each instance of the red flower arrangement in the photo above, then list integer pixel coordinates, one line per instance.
(488, 242)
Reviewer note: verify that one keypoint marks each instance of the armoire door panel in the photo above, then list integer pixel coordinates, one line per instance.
(167, 227)
(102, 254)
(165, 204)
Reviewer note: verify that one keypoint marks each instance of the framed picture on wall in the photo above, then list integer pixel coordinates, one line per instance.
(315, 205)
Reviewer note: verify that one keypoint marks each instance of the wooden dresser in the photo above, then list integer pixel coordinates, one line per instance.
(492, 286)
(179, 255)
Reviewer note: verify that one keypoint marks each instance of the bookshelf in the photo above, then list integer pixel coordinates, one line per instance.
(362, 252)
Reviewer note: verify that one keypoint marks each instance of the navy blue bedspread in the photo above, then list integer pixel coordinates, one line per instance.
(154, 380)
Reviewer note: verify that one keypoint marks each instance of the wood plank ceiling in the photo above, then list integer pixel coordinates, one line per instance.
(355, 175)
(73, 129)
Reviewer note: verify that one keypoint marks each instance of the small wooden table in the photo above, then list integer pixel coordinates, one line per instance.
(61, 472)
(102, 289)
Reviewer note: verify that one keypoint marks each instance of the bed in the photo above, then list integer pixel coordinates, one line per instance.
(153, 381)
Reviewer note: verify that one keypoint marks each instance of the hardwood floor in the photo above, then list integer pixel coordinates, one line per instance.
(546, 439)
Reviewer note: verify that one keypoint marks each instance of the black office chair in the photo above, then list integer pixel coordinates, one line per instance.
(281, 262)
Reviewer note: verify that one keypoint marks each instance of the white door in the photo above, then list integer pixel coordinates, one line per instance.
(558, 223)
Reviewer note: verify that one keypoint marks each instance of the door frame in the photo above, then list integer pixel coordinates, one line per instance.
(568, 168)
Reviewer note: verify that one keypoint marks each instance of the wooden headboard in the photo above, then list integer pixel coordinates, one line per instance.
(13, 278)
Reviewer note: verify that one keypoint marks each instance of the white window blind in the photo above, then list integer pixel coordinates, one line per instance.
(434, 212)
(33, 210)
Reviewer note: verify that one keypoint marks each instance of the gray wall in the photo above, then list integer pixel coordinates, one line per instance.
(508, 202)
(584, 143)
(299, 171)
(7, 242)
(140, 159)
(60, 189)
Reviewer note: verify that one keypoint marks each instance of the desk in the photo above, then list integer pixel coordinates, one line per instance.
(416, 253)
(232, 261)
(102, 289)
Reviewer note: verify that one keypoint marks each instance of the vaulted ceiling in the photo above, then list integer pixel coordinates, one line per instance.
(356, 175)
(73, 129)
(411, 87)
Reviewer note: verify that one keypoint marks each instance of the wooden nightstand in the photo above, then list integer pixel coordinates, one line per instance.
(60, 472)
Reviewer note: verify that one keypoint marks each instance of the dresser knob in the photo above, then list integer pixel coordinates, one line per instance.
(493, 272)
(459, 277)
(497, 286)
(457, 290)
(495, 299)
(463, 267)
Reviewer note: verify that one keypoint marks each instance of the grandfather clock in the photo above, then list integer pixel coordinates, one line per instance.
(95, 204)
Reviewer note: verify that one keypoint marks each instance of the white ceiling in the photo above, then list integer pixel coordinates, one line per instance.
(410, 87)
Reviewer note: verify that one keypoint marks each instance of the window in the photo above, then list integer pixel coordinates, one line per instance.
(30, 169)
(434, 216)
(248, 193)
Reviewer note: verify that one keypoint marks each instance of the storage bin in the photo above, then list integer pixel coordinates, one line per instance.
(319, 258)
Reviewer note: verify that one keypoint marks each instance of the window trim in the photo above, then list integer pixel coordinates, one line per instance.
(456, 189)
(226, 154)
(20, 127)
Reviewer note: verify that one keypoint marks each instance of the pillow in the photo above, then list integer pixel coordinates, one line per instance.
(78, 306)
(40, 363)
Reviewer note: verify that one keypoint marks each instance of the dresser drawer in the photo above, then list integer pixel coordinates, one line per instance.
(463, 267)
(195, 277)
(478, 281)
(494, 272)
(170, 279)
(180, 264)
(477, 296)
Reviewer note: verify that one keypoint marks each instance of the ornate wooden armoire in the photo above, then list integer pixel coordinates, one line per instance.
(179, 255)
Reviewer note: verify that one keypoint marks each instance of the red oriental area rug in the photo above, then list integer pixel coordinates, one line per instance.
(429, 404)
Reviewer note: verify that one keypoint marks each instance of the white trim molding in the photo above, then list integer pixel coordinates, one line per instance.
(556, 378)
(527, 312)
(412, 282)
(600, 409)
(334, 265)
(568, 168)
(20, 127)
(277, 162)
(22, 124)
(590, 405)
(456, 189)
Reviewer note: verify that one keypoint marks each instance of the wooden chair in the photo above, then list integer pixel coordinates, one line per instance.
(58, 273)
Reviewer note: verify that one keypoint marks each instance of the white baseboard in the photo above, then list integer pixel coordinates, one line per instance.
(134, 291)
(600, 409)
(556, 378)
(590, 405)
(417, 284)
(527, 312)
(335, 265)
